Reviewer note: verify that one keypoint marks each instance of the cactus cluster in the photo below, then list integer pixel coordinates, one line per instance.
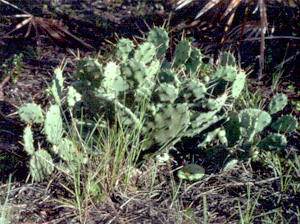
(177, 102)
(248, 123)
(41, 162)
(169, 99)
(177, 106)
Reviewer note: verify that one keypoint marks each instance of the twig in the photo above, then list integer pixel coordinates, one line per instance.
(5, 80)
(120, 220)
(242, 183)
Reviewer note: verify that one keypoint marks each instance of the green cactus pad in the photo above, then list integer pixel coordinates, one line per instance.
(168, 76)
(165, 93)
(57, 85)
(159, 37)
(285, 124)
(253, 121)
(191, 172)
(208, 137)
(124, 49)
(168, 125)
(67, 150)
(53, 125)
(273, 141)
(277, 103)
(246, 119)
(202, 120)
(192, 90)
(210, 104)
(262, 118)
(182, 53)
(227, 73)
(135, 72)
(31, 113)
(28, 141)
(41, 165)
(153, 68)
(145, 53)
(194, 63)
(228, 59)
(111, 72)
(238, 84)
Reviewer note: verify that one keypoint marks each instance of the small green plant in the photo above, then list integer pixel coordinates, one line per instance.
(296, 103)
(13, 66)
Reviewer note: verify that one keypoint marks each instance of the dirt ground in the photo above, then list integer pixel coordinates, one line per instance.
(98, 24)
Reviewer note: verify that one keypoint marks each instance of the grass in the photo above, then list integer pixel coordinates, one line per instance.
(247, 217)
(5, 211)
(112, 154)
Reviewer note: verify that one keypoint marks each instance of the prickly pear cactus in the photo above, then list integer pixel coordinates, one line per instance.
(57, 86)
(194, 62)
(28, 141)
(182, 53)
(159, 37)
(31, 113)
(41, 165)
(41, 162)
(248, 123)
(253, 121)
(124, 49)
(228, 59)
(285, 124)
(178, 102)
(277, 103)
(53, 125)
(145, 53)
(273, 141)
(168, 125)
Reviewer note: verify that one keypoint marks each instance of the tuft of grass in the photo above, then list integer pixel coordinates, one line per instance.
(5, 211)
(247, 217)
(111, 153)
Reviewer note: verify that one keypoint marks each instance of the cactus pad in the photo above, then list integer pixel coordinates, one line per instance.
(182, 53)
(285, 124)
(273, 141)
(31, 113)
(28, 141)
(53, 125)
(191, 172)
(41, 165)
(145, 53)
(159, 37)
(124, 49)
(277, 103)
(194, 62)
